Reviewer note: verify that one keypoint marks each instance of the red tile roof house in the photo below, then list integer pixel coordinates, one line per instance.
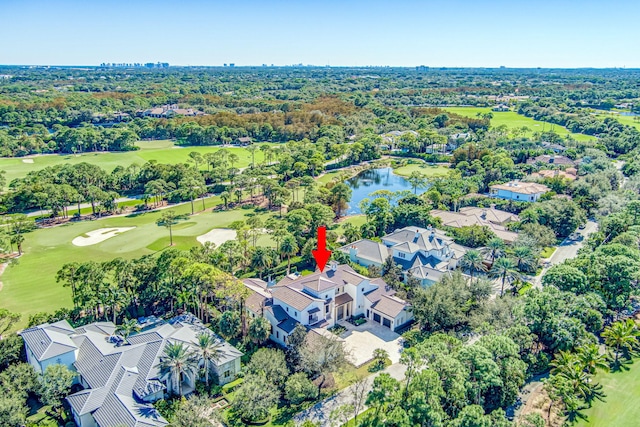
(320, 300)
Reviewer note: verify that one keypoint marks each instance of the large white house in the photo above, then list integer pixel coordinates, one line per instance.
(121, 379)
(423, 253)
(320, 300)
(519, 191)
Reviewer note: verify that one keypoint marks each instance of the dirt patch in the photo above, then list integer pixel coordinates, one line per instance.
(538, 402)
(27, 160)
(100, 235)
(217, 236)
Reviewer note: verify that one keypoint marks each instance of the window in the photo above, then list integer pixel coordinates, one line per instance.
(326, 309)
(401, 254)
(287, 309)
(227, 374)
(277, 334)
(362, 290)
(295, 313)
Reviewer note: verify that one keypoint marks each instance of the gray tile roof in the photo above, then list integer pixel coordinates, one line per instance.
(49, 340)
(288, 325)
(121, 376)
(368, 249)
(292, 297)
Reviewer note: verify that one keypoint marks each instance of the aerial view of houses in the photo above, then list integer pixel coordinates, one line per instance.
(285, 215)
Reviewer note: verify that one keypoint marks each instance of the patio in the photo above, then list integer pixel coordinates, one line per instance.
(362, 340)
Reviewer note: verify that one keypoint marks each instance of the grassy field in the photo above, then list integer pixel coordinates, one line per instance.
(620, 407)
(30, 286)
(512, 120)
(424, 168)
(163, 151)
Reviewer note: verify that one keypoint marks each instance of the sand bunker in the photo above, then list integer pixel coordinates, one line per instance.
(217, 236)
(99, 235)
(27, 160)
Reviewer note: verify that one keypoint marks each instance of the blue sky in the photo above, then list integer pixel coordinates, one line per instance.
(470, 33)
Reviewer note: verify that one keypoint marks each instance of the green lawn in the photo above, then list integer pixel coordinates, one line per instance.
(30, 285)
(327, 177)
(514, 120)
(163, 151)
(424, 168)
(620, 407)
(547, 252)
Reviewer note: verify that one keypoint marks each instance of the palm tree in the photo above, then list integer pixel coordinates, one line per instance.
(168, 219)
(225, 196)
(289, 247)
(417, 180)
(591, 359)
(340, 195)
(621, 335)
(564, 360)
(127, 328)
(209, 351)
(495, 248)
(505, 269)
(176, 362)
(579, 381)
(472, 261)
(524, 257)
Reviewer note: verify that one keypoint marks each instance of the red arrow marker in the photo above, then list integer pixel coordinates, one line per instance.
(321, 254)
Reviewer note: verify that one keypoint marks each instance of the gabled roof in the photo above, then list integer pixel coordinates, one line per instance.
(121, 376)
(49, 340)
(426, 239)
(409, 247)
(368, 249)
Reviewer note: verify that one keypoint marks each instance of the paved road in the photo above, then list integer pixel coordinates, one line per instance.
(321, 411)
(567, 249)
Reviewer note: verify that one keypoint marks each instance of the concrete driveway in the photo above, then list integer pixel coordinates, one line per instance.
(568, 249)
(361, 341)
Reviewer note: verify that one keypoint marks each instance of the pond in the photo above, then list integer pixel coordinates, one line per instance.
(370, 180)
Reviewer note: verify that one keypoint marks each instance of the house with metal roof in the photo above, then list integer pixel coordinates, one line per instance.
(322, 299)
(425, 254)
(121, 379)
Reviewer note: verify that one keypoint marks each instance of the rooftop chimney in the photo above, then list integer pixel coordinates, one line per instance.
(334, 265)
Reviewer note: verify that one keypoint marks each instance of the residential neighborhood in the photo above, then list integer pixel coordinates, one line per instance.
(352, 214)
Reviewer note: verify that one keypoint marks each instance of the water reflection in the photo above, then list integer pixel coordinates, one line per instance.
(370, 180)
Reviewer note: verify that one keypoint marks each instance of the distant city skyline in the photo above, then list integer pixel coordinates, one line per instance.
(454, 33)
